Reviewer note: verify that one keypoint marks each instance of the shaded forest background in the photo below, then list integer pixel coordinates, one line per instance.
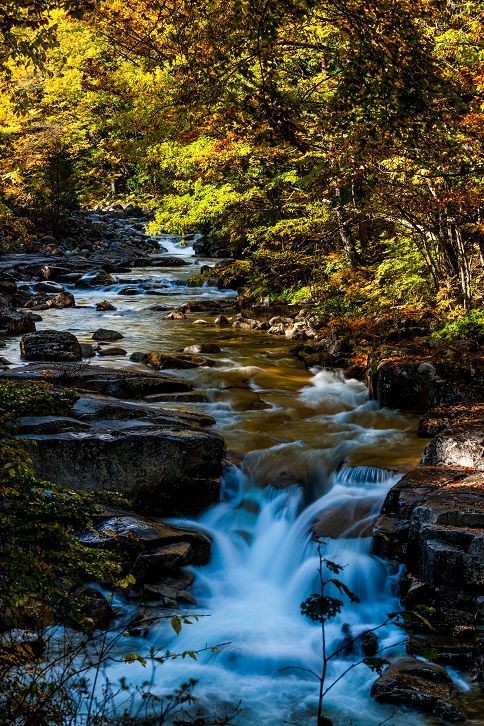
(333, 147)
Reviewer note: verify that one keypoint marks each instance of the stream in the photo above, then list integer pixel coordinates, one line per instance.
(308, 450)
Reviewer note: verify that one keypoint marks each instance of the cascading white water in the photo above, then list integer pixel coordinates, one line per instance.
(263, 565)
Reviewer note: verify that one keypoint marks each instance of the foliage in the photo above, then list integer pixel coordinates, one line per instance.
(467, 327)
(41, 558)
(303, 135)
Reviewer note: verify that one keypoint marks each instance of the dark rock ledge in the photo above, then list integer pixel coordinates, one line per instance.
(432, 521)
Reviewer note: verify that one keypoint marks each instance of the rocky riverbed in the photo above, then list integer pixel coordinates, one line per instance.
(187, 397)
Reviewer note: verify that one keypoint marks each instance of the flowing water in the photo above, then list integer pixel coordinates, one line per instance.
(310, 452)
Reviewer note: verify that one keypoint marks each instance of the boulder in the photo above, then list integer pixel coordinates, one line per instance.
(457, 446)
(133, 533)
(162, 361)
(164, 469)
(201, 322)
(107, 335)
(118, 382)
(418, 384)
(50, 345)
(105, 305)
(175, 315)
(98, 278)
(424, 686)
(14, 322)
(200, 306)
(162, 559)
(221, 321)
(112, 350)
(49, 287)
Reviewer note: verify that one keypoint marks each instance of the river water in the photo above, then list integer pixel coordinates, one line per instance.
(308, 450)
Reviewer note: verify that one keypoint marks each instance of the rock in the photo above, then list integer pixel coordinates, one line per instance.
(175, 315)
(44, 301)
(165, 261)
(48, 425)
(139, 357)
(424, 686)
(458, 446)
(161, 308)
(221, 321)
(59, 301)
(14, 322)
(54, 272)
(50, 345)
(201, 322)
(162, 361)
(469, 415)
(33, 316)
(203, 348)
(105, 305)
(416, 384)
(130, 291)
(108, 335)
(199, 306)
(189, 397)
(121, 383)
(162, 468)
(4, 361)
(112, 350)
(94, 409)
(162, 559)
(99, 278)
(88, 350)
(131, 532)
(49, 287)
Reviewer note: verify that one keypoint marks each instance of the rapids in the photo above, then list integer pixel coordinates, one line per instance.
(309, 450)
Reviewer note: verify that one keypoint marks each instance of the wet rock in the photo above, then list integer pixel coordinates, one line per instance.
(201, 322)
(55, 272)
(94, 409)
(162, 361)
(199, 306)
(107, 335)
(161, 308)
(424, 686)
(50, 345)
(188, 397)
(203, 348)
(49, 287)
(42, 301)
(112, 350)
(14, 322)
(130, 291)
(162, 559)
(105, 305)
(221, 321)
(131, 532)
(4, 361)
(121, 383)
(166, 468)
(98, 278)
(175, 315)
(165, 261)
(88, 350)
